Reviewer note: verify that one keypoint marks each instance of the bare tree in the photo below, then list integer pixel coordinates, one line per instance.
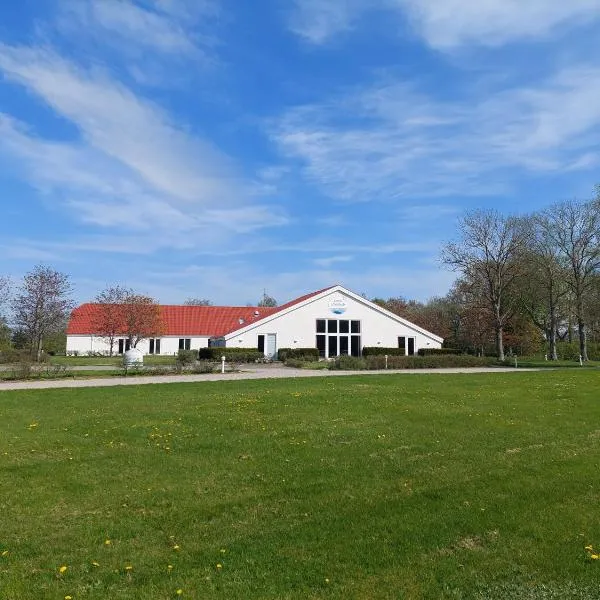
(486, 256)
(197, 302)
(574, 229)
(543, 290)
(108, 320)
(267, 301)
(5, 289)
(41, 305)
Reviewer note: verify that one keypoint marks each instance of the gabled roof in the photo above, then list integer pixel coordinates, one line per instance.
(190, 321)
(308, 298)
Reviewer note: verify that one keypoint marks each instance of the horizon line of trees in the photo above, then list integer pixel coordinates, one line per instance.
(523, 281)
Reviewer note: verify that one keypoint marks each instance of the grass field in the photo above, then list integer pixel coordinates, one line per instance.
(400, 487)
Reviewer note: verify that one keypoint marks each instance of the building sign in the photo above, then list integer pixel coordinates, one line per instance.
(338, 305)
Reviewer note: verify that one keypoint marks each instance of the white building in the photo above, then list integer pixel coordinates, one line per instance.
(334, 320)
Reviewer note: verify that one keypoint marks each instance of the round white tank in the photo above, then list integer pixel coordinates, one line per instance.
(133, 357)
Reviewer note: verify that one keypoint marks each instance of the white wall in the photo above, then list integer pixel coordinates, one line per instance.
(84, 344)
(298, 327)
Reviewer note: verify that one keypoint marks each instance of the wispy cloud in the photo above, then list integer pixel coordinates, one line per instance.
(130, 165)
(392, 141)
(328, 261)
(129, 24)
(447, 24)
(318, 20)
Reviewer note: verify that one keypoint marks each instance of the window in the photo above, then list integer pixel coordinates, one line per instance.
(321, 345)
(261, 344)
(333, 345)
(411, 346)
(337, 337)
(124, 345)
(343, 345)
(154, 346)
(185, 343)
(402, 344)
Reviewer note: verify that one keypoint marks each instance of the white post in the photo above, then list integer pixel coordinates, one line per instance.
(581, 360)
(516, 365)
(386, 361)
(222, 364)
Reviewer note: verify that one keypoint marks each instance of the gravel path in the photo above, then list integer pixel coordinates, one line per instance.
(262, 372)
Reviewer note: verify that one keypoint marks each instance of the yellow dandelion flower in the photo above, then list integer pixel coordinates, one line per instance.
(5, 553)
(128, 568)
(62, 569)
(107, 542)
(169, 567)
(589, 547)
(179, 592)
(219, 566)
(223, 550)
(95, 564)
(176, 547)
(594, 556)
(68, 597)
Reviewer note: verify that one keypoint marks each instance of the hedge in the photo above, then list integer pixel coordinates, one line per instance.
(437, 351)
(379, 351)
(298, 353)
(352, 363)
(240, 355)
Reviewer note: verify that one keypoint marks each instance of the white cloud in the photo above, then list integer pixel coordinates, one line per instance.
(131, 166)
(328, 261)
(131, 24)
(393, 142)
(318, 20)
(449, 23)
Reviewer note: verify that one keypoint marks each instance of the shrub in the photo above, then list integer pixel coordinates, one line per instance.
(186, 358)
(240, 355)
(298, 353)
(12, 355)
(378, 351)
(437, 351)
(347, 363)
(430, 362)
(203, 367)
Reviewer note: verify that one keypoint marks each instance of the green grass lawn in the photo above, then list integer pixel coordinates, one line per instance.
(392, 487)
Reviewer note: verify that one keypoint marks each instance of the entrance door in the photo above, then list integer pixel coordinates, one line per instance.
(271, 345)
(411, 346)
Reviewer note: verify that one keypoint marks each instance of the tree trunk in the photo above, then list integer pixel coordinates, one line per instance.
(552, 353)
(581, 330)
(38, 353)
(499, 343)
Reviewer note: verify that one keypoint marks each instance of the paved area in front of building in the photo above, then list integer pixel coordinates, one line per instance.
(250, 372)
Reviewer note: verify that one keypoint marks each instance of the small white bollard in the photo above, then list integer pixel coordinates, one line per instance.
(516, 365)
(581, 360)
(386, 361)
(222, 364)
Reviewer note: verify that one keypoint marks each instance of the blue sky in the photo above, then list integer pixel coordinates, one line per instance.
(214, 148)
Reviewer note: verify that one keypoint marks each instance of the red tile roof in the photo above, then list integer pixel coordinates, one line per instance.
(212, 321)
